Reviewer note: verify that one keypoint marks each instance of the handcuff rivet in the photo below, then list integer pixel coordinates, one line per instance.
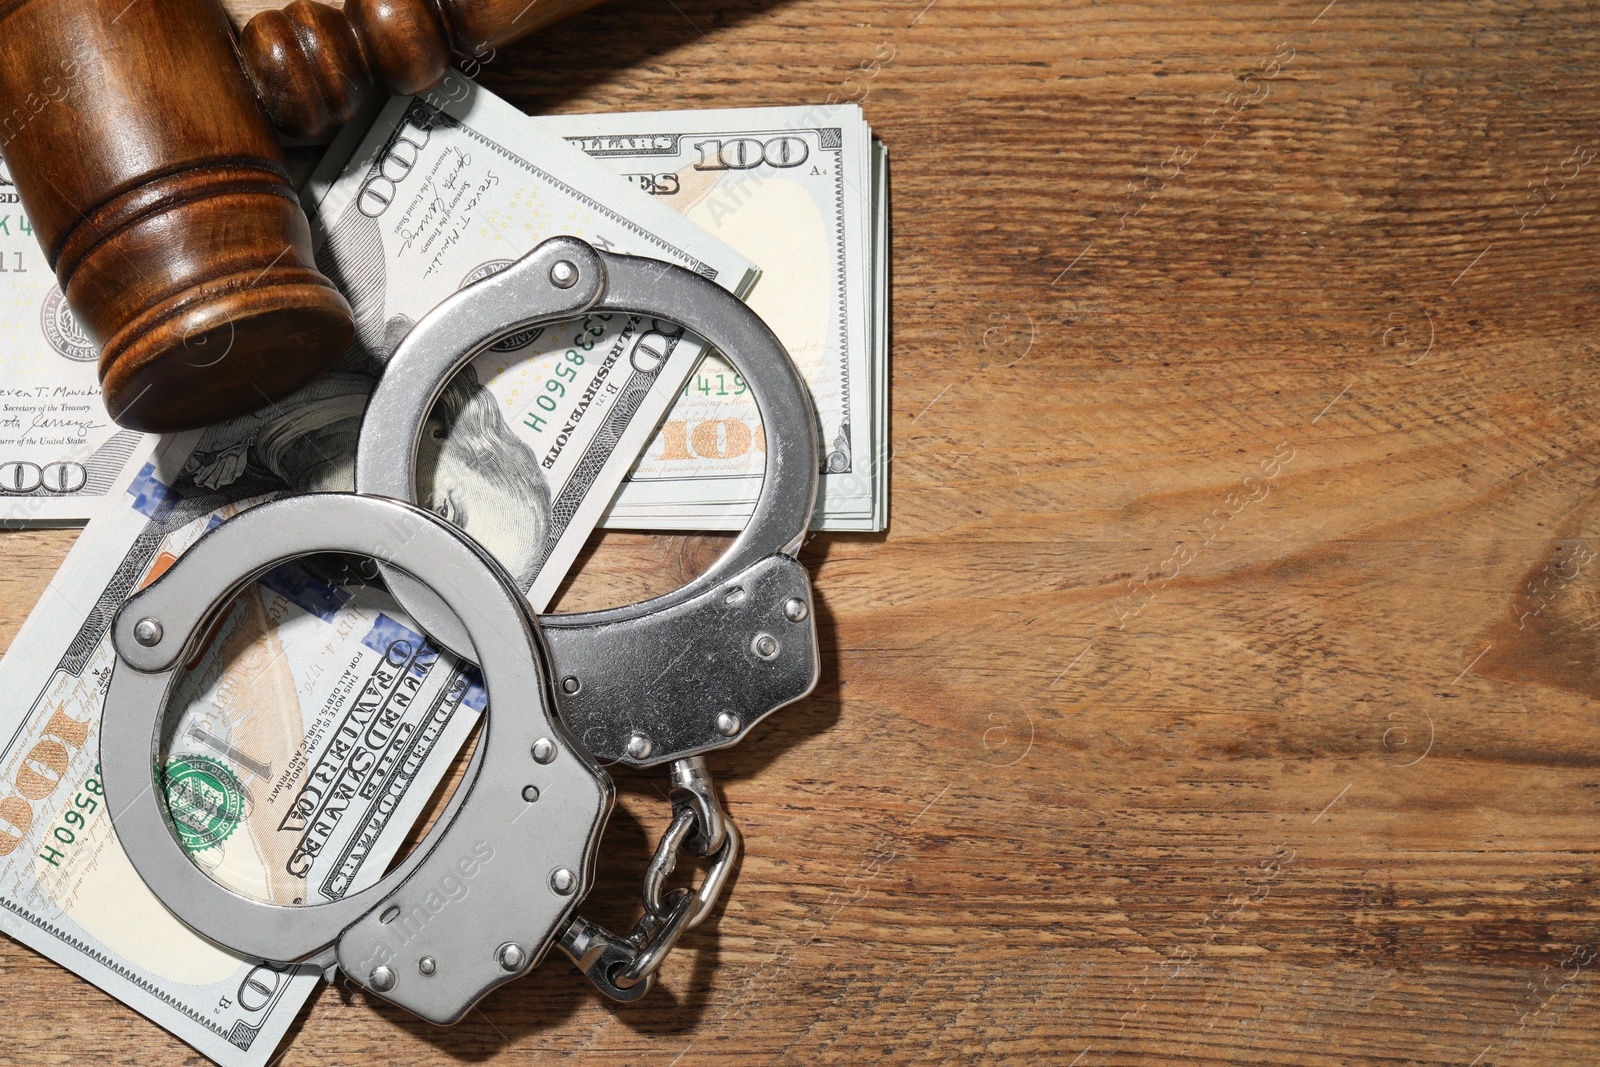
(147, 632)
(727, 724)
(426, 965)
(381, 979)
(511, 956)
(564, 275)
(530, 793)
(765, 646)
(563, 881)
(795, 610)
(570, 684)
(544, 750)
(640, 746)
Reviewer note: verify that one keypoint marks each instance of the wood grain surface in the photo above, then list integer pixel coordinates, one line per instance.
(1225, 688)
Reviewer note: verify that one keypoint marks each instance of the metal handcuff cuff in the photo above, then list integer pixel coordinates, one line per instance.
(665, 680)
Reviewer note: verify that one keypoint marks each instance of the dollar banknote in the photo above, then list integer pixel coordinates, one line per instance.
(800, 191)
(60, 453)
(315, 721)
(443, 190)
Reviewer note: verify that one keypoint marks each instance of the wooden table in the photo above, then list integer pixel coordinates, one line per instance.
(1223, 690)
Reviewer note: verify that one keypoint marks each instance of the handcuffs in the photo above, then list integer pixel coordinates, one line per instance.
(665, 680)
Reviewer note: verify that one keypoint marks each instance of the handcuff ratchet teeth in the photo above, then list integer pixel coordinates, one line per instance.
(661, 681)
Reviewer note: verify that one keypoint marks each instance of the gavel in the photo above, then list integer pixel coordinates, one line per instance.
(139, 135)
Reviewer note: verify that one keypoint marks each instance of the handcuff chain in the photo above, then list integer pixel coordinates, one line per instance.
(622, 967)
(699, 827)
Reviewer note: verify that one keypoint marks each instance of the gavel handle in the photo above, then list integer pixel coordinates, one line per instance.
(313, 66)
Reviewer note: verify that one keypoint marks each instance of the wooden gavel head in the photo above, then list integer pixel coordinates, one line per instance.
(138, 137)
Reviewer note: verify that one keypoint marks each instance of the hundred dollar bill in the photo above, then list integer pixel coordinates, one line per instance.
(794, 189)
(60, 452)
(445, 189)
(316, 721)
(308, 733)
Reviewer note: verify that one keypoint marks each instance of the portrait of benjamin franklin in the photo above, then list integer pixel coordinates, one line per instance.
(471, 469)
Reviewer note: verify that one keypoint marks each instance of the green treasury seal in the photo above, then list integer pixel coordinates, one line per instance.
(204, 799)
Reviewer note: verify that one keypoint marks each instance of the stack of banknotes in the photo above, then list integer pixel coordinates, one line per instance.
(316, 712)
(798, 191)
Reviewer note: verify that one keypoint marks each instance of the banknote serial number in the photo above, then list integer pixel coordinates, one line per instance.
(73, 819)
(566, 371)
(718, 384)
